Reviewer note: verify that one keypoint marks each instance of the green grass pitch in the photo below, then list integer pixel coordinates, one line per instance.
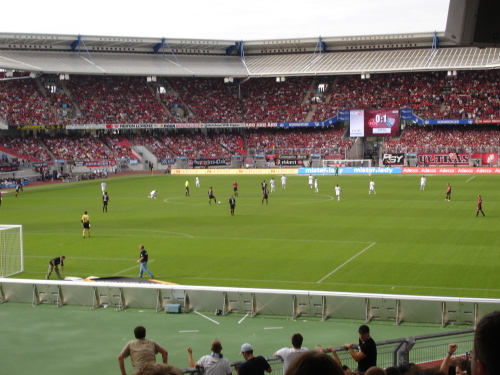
(400, 241)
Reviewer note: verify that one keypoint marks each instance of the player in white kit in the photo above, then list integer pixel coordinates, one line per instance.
(283, 182)
(423, 180)
(311, 180)
(372, 187)
(337, 192)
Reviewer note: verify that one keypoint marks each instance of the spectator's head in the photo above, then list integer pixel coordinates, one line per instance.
(314, 362)
(485, 351)
(159, 369)
(139, 332)
(247, 351)
(375, 371)
(216, 346)
(364, 332)
(463, 366)
(297, 340)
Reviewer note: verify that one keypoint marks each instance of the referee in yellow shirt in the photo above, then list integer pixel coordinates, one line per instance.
(86, 224)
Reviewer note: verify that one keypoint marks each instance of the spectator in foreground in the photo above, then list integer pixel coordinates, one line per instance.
(314, 362)
(214, 363)
(288, 354)
(462, 366)
(485, 352)
(141, 351)
(253, 365)
(366, 356)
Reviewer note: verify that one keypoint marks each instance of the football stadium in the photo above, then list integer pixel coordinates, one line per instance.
(248, 191)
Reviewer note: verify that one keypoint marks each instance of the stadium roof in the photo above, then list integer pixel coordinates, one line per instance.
(113, 55)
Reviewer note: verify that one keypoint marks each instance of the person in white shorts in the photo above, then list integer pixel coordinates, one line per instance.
(372, 187)
(337, 192)
(423, 180)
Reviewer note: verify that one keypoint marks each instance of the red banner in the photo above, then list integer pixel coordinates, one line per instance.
(451, 158)
(449, 170)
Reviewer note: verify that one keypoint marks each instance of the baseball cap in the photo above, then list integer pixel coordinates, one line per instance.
(246, 348)
(363, 329)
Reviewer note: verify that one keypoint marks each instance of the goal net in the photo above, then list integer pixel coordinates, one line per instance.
(363, 163)
(11, 250)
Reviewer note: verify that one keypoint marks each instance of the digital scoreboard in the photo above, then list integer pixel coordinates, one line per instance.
(374, 122)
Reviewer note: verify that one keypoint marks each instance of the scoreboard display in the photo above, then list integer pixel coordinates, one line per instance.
(374, 123)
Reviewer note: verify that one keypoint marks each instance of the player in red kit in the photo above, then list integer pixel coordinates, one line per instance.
(479, 205)
(235, 188)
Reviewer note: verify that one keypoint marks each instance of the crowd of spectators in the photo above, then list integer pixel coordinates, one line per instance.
(445, 138)
(194, 145)
(78, 147)
(128, 99)
(209, 99)
(22, 103)
(265, 100)
(119, 145)
(302, 140)
(28, 148)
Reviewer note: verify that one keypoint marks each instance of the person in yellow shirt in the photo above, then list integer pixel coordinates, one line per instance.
(86, 223)
(187, 187)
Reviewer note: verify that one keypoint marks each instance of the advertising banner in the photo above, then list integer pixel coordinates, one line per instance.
(452, 158)
(98, 163)
(208, 162)
(350, 170)
(449, 170)
(237, 171)
(168, 161)
(394, 159)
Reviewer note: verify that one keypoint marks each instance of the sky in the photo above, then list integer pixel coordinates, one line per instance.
(226, 20)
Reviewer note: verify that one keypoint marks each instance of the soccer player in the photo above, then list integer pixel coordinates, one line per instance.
(337, 191)
(479, 205)
(448, 193)
(235, 188)
(103, 187)
(336, 170)
(86, 223)
(316, 189)
(197, 181)
(263, 185)
(273, 185)
(211, 196)
(187, 187)
(423, 180)
(18, 186)
(372, 187)
(152, 195)
(283, 182)
(232, 204)
(105, 200)
(265, 196)
(311, 180)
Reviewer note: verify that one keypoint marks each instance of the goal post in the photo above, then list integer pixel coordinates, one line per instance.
(11, 250)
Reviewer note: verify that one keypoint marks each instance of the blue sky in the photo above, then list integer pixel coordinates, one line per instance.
(229, 20)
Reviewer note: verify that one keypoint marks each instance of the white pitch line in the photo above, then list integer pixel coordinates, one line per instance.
(131, 268)
(273, 327)
(193, 331)
(470, 178)
(242, 319)
(206, 317)
(347, 261)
